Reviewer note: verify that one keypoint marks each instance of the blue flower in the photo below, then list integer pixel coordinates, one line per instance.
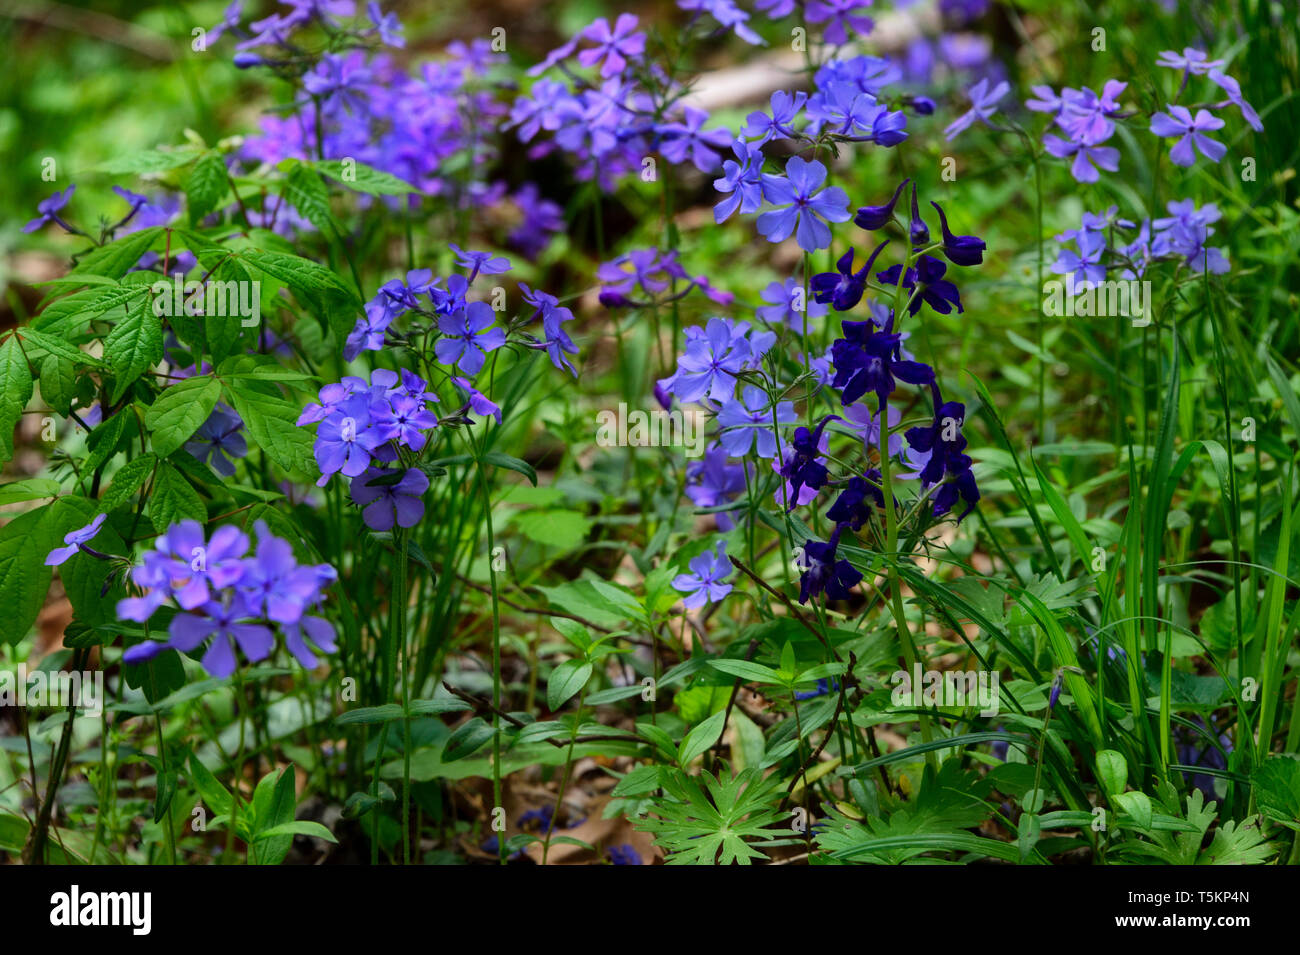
(1179, 122)
(469, 335)
(74, 541)
(748, 421)
(49, 208)
(744, 180)
(704, 584)
(983, 105)
(802, 207)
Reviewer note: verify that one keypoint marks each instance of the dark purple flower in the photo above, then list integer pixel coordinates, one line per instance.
(861, 498)
(803, 467)
(940, 294)
(843, 288)
(959, 249)
(824, 573)
(867, 359)
(872, 218)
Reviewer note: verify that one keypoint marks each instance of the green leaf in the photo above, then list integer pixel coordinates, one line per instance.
(271, 425)
(150, 160)
(1112, 770)
(362, 178)
(369, 715)
(500, 460)
(24, 579)
(31, 489)
(134, 344)
(746, 670)
(58, 383)
(223, 331)
(563, 530)
(301, 827)
(701, 738)
(117, 258)
(305, 190)
(53, 345)
(565, 682)
(174, 500)
(206, 185)
(1137, 805)
(296, 272)
(179, 411)
(273, 814)
(1277, 789)
(127, 480)
(467, 739)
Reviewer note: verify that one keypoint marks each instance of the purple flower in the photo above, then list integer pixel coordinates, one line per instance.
(867, 359)
(704, 584)
(613, 47)
(1179, 122)
(785, 108)
(936, 291)
(542, 218)
(340, 80)
(872, 218)
(824, 573)
(386, 503)
(983, 105)
(623, 854)
(1086, 264)
(49, 208)
(1191, 61)
(744, 180)
(187, 567)
(712, 482)
(1233, 89)
(478, 402)
(275, 586)
(73, 541)
(959, 249)
(861, 419)
(690, 140)
(345, 440)
(469, 336)
(787, 305)
(748, 421)
(229, 21)
(219, 439)
(387, 25)
(710, 364)
(803, 207)
(843, 18)
(1086, 157)
(484, 263)
(843, 288)
(861, 498)
(802, 467)
(402, 419)
(220, 622)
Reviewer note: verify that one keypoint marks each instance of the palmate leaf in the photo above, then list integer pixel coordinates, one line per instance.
(708, 820)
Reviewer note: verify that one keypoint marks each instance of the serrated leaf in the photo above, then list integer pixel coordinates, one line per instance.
(174, 500)
(206, 185)
(362, 178)
(133, 346)
(147, 161)
(271, 425)
(305, 190)
(179, 411)
(128, 479)
(120, 256)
